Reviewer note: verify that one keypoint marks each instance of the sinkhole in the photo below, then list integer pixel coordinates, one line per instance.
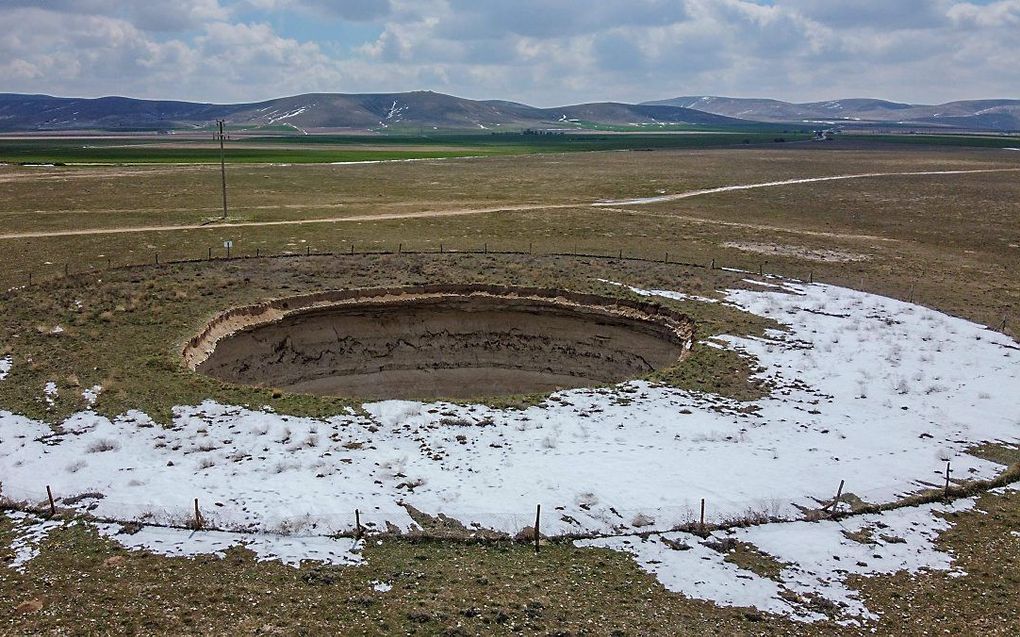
(440, 341)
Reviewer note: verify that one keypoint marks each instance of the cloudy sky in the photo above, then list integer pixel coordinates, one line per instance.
(543, 52)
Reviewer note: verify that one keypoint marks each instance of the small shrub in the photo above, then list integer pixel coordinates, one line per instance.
(641, 520)
(101, 445)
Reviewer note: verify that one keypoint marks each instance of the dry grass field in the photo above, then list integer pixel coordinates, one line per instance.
(950, 241)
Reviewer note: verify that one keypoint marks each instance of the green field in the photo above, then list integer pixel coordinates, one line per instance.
(961, 140)
(313, 149)
(355, 148)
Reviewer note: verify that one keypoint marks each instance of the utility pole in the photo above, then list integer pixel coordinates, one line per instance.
(223, 169)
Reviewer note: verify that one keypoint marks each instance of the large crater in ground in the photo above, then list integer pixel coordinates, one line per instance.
(439, 342)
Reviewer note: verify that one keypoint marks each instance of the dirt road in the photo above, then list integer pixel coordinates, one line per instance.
(478, 211)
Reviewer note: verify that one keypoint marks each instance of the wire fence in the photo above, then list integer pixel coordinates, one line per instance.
(465, 523)
(229, 255)
(847, 275)
(695, 515)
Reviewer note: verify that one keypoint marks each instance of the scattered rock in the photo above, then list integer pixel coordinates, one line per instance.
(114, 560)
(30, 606)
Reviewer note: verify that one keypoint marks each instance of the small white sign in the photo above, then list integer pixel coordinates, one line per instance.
(228, 244)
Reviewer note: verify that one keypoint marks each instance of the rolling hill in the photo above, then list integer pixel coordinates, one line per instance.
(997, 115)
(321, 112)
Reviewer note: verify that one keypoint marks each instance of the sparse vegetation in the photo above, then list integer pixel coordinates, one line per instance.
(122, 330)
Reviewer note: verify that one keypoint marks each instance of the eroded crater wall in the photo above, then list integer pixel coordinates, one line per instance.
(437, 345)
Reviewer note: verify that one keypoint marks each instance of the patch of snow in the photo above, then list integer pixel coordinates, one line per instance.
(666, 294)
(267, 547)
(29, 533)
(823, 255)
(685, 565)
(401, 161)
(381, 587)
(51, 392)
(764, 284)
(57, 330)
(91, 395)
(6, 364)
(288, 115)
(395, 111)
(818, 557)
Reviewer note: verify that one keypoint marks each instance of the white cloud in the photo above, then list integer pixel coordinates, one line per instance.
(537, 51)
(996, 15)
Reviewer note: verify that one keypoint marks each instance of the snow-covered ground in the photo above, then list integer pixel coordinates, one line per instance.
(866, 389)
(30, 531)
(267, 547)
(816, 559)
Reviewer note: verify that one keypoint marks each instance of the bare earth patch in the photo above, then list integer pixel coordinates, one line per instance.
(800, 252)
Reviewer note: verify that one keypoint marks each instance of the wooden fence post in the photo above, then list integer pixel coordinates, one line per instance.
(198, 517)
(538, 534)
(839, 493)
(702, 524)
(947, 479)
(210, 254)
(53, 507)
(357, 524)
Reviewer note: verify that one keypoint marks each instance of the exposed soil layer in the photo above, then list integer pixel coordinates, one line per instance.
(439, 342)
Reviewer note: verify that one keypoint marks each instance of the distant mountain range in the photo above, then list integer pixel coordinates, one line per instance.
(323, 112)
(425, 110)
(998, 115)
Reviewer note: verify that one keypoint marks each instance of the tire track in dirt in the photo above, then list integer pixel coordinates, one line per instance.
(289, 222)
(789, 182)
(749, 226)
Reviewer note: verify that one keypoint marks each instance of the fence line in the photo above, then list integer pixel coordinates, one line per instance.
(327, 524)
(157, 262)
(757, 267)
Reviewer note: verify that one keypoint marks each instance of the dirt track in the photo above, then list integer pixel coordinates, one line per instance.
(476, 211)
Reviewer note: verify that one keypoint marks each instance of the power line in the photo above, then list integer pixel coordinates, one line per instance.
(223, 168)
